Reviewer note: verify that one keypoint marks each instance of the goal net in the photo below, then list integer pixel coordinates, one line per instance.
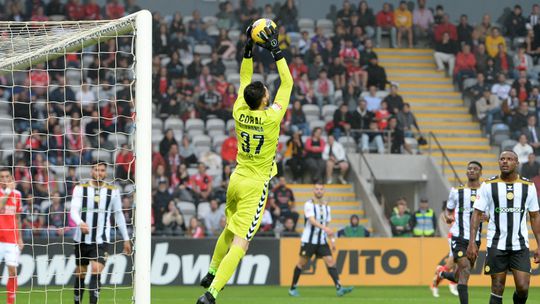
(71, 94)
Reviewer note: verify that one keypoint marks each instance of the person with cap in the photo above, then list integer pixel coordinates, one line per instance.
(424, 220)
(354, 229)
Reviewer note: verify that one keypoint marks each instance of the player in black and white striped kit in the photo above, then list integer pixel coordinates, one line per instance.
(314, 240)
(459, 210)
(507, 199)
(92, 206)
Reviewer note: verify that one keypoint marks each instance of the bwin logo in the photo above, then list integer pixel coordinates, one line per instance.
(509, 210)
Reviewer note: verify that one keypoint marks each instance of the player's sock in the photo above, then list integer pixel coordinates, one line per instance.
(222, 246)
(520, 299)
(495, 299)
(332, 271)
(11, 290)
(78, 289)
(296, 277)
(94, 288)
(450, 276)
(226, 269)
(463, 291)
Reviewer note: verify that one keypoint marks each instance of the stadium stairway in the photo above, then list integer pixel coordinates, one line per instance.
(439, 109)
(341, 199)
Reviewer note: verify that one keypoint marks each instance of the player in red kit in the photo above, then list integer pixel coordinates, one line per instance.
(11, 243)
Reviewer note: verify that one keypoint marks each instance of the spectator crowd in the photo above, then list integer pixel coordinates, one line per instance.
(343, 100)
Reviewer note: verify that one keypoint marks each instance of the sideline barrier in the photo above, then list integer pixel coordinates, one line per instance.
(384, 261)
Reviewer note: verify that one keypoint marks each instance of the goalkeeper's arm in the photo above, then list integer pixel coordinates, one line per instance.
(246, 67)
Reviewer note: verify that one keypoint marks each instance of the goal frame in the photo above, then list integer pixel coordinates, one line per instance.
(142, 22)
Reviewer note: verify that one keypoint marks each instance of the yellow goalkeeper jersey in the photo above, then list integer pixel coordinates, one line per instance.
(258, 131)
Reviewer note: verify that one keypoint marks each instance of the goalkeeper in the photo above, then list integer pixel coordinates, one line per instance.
(257, 125)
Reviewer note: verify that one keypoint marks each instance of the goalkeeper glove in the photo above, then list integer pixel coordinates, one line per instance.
(248, 48)
(270, 37)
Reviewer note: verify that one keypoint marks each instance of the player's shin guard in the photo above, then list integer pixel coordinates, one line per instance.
(94, 288)
(495, 299)
(78, 289)
(520, 299)
(222, 246)
(226, 269)
(463, 291)
(332, 271)
(296, 277)
(11, 290)
(450, 276)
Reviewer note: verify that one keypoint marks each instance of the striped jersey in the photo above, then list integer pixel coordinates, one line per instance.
(94, 206)
(461, 200)
(507, 205)
(321, 213)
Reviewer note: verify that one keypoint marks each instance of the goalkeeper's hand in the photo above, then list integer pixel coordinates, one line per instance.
(271, 42)
(248, 48)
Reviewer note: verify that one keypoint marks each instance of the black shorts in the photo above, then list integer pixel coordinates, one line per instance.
(459, 247)
(308, 250)
(85, 253)
(498, 261)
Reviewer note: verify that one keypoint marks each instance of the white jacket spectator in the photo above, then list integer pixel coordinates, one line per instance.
(335, 157)
(501, 89)
(212, 219)
(523, 149)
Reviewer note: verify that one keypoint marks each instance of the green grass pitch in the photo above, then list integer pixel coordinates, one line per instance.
(272, 295)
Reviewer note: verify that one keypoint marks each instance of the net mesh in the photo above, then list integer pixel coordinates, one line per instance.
(66, 100)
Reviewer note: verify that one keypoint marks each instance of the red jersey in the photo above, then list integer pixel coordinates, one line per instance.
(229, 149)
(201, 181)
(8, 220)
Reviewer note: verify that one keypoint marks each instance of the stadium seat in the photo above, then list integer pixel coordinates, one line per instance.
(348, 143)
(118, 139)
(257, 77)
(217, 141)
(316, 123)
(499, 138)
(214, 124)
(210, 20)
(188, 210)
(157, 124)
(187, 19)
(202, 149)
(412, 142)
(328, 110)
(102, 155)
(234, 35)
(469, 82)
(194, 124)
(214, 133)
(173, 123)
(203, 209)
(270, 78)
(233, 78)
(204, 49)
(45, 205)
(230, 124)
(306, 23)
(508, 144)
(326, 25)
(311, 110)
(295, 38)
(500, 128)
(201, 141)
(231, 65)
(381, 94)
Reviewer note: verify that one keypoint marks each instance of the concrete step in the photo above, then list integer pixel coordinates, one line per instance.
(385, 60)
(421, 86)
(445, 124)
(473, 148)
(447, 102)
(337, 197)
(436, 117)
(442, 96)
(401, 65)
(407, 57)
(453, 132)
(327, 188)
(463, 140)
(440, 108)
(392, 72)
(403, 52)
(403, 80)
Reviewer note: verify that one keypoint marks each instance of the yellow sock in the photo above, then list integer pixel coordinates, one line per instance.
(222, 246)
(226, 269)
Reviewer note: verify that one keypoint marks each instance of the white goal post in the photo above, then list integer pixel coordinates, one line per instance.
(26, 44)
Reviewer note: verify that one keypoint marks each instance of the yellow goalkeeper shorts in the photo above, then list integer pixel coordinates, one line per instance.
(246, 200)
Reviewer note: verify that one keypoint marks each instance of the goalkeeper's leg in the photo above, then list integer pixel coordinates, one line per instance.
(222, 246)
(78, 286)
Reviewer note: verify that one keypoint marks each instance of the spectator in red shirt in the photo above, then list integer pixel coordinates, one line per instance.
(314, 162)
(297, 68)
(349, 53)
(465, 65)
(382, 115)
(445, 27)
(385, 25)
(92, 11)
(201, 184)
(125, 164)
(114, 10)
(74, 10)
(40, 15)
(229, 148)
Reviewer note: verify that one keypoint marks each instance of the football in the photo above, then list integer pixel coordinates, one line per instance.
(259, 26)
